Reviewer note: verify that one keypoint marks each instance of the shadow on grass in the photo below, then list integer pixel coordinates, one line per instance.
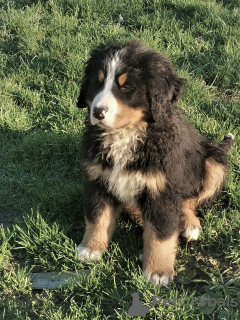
(42, 170)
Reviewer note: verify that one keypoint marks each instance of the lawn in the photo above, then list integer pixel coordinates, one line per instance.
(43, 48)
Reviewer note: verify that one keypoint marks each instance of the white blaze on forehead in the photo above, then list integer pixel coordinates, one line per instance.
(105, 98)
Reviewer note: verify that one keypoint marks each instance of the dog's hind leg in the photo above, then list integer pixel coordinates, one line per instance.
(215, 175)
(190, 224)
(215, 170)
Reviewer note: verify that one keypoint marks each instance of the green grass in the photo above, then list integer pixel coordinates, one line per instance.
(43, 48)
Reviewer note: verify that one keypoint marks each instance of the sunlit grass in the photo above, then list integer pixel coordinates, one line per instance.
(43, 48)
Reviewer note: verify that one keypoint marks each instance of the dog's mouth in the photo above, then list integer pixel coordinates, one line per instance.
(102, 125)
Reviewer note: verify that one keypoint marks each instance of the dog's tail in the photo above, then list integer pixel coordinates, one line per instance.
(219, 151)
(227, 142)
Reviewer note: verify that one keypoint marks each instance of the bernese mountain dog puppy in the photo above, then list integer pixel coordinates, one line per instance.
(142, 156)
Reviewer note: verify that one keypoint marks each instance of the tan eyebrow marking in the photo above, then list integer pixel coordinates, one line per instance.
(100, 76)
(122, 79)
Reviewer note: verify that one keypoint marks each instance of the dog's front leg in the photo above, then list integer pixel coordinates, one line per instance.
(98, 233)
(158, 255)
(161, 220)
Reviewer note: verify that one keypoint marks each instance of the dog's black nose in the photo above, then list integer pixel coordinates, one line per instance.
(99, 113)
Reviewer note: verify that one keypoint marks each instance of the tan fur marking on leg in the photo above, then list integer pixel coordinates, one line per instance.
(158, 255)
(98, 235)
(188, 217)
(190, 224)
(213, 181)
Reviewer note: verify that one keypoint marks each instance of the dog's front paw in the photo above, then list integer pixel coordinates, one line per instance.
(162, 278)
(84, 254)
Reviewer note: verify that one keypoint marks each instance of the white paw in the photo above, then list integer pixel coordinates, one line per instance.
(191, 233)
(155, 278)
(84, 254)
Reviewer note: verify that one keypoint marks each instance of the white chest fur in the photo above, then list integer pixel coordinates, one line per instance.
(123, 144)
(125, 184)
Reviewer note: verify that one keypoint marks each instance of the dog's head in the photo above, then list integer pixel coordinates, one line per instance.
(128, 84)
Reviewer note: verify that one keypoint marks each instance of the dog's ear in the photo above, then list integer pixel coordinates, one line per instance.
(164, 88)
(81, 102)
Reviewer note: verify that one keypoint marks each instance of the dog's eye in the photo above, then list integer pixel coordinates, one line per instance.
(98, 83)
(126, 87)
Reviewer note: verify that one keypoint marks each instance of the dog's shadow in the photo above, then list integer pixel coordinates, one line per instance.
(42, 171)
